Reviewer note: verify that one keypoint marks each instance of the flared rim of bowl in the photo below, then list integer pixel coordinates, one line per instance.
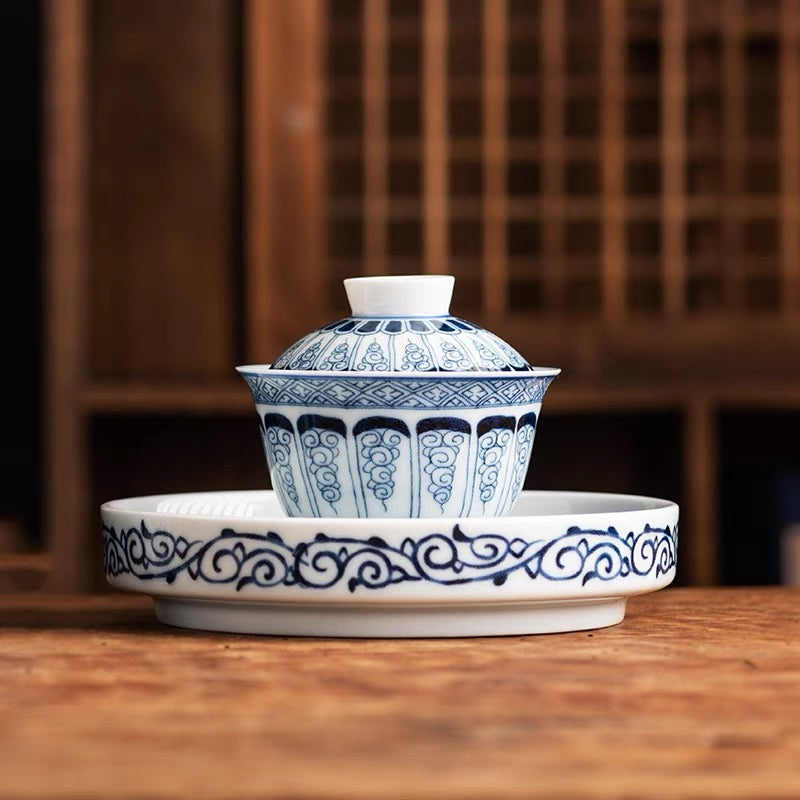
(266, 370)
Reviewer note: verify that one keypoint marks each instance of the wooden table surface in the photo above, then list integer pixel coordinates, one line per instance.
(695, 694)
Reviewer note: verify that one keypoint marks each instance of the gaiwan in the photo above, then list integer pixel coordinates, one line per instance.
(400, 410)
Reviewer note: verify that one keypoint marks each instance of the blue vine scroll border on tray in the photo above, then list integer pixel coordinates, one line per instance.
(265, 560)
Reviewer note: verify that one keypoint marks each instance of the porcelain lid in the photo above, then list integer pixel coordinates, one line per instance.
(401, 323)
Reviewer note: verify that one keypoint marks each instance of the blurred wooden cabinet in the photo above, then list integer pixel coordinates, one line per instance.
(615, 184)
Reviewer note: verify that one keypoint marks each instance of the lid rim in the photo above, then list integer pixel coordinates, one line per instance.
(266, 369)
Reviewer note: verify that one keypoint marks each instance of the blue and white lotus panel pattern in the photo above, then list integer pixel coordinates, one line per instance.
(391, 466)
(350, 446)
(404, 344)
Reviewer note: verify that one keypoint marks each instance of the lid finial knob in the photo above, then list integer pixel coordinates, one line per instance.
(400, 295)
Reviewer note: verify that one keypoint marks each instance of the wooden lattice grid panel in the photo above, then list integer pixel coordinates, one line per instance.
(603, 159)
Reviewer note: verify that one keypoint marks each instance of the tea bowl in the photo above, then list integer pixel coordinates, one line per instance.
(388, 445)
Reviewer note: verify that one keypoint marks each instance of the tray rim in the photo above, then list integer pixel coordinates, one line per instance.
(128, 505)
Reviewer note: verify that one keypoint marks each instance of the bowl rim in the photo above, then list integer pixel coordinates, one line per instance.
(266, 370)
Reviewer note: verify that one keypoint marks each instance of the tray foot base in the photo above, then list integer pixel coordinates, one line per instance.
(391, 621)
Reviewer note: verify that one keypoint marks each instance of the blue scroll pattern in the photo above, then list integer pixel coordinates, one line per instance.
(524, 443)
(265, 560)
(491, 449)
(379, 450)
(454, 358)
(373, 359)
(307, 358)
(415, 358)
(489, 360)
(321, 449)
(336, 360)
(440, 450)
(321, 439)
(278, 447)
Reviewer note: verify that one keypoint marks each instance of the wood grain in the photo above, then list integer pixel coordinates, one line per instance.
(435, 144)
(495, 200)
(65, 168)
(553, 139)
(162, 201)
(284, 125)
(673, 158)
(612, 159)
(25, 572)
(733, 144)
(375, 198)
(790, 154)
(695, 694)
(700, 471)
(256, 79)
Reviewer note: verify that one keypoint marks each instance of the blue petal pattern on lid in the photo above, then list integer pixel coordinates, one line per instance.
(409, 344)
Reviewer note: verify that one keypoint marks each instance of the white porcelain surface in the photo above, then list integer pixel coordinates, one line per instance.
(232, 561)
(401, 295)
